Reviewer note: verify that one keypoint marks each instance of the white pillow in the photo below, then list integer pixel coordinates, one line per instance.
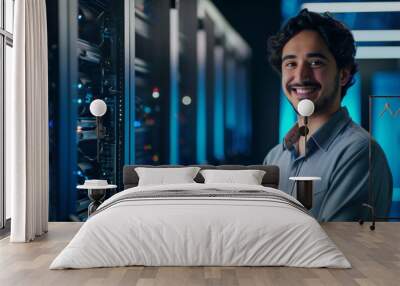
(248, 177)
(163, 176)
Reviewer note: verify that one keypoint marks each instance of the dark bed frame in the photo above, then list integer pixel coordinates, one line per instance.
(270, 179)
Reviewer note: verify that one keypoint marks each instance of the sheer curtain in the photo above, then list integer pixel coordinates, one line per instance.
(27, 124)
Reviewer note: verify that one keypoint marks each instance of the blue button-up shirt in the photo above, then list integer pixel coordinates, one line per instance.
(338, 152)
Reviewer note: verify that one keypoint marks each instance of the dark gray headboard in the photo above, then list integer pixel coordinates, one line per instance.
(271, 177)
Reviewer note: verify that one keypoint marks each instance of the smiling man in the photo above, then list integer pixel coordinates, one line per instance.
(315, 56)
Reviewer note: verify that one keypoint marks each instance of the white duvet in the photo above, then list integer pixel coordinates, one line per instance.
(200, 231)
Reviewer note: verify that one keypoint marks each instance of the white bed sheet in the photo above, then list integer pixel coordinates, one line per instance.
(202, 232)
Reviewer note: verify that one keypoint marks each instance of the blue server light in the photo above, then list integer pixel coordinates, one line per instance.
(147, 109)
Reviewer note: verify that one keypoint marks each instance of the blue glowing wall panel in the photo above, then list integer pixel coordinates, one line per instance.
(237, 104)
(369, 20)
(243, 129)
(385, 122)
(230, 114)
(287, 116)
(352, 100)
(201, 132)
(219, 135)
(129, 86)
(174, 111)
(230, 111)
(174, 123)
(290, 8)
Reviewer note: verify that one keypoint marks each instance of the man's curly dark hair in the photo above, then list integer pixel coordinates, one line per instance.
(337, 37)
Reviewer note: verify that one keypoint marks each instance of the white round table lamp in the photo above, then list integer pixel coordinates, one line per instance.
(305, 107)
(98, 107)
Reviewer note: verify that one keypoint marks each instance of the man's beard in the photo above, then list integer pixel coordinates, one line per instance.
(323, 103)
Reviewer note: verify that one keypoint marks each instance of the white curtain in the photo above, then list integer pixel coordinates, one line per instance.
(27, 124)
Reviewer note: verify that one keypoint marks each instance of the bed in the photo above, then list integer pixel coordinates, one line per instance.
(198, 224)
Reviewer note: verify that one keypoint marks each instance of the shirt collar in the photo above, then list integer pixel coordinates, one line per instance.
(291, 138)
(324, 136)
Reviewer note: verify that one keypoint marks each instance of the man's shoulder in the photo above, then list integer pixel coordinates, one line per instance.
(353, 137)
(356, 142)
(278, 148)
(273, 154)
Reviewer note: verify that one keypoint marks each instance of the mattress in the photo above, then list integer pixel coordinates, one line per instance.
(201, 225)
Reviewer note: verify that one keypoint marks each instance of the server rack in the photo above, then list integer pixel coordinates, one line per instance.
(84, 64)
(219, 98)
(148, 104)
(99, 77)
(238, 107)
(224, 109)
(117, 51)
(209, 28)
(242, 139)
(147, 70)
(201, 111)
(187, 77)
(62, 35)
(230, 94)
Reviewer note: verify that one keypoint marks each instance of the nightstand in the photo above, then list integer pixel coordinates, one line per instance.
(305, 190)
(96, 195)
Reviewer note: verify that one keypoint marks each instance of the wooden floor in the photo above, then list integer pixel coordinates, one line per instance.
(375, 256)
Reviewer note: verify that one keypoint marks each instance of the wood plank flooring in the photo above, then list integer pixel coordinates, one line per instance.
(375, 257)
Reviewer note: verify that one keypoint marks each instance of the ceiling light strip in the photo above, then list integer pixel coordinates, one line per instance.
(376, 35)
(351, 7)
(391, 52)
